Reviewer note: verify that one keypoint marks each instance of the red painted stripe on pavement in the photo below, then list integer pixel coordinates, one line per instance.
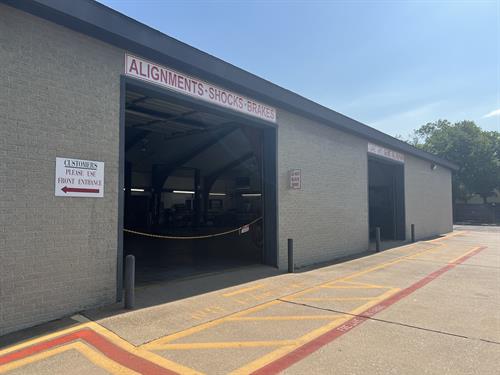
(124, 357)
(106, 347)
(307, 349)
(37, 348)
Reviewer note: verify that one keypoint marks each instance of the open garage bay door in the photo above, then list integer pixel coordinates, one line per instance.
(386, 198)
(194, 189)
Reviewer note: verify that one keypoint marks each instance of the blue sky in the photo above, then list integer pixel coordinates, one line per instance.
(393, 65)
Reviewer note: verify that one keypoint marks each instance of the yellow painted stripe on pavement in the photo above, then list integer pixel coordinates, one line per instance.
(30, 342)
(367, 286)
(243, 290)
(111, 337)
(224, 345)
(138, 351)
(264, 360)
(94, 356)
(352, 287)
(154, 344)
(359, 273)
(318, 299)
(286, 317)
(461, 256)
(447, 236)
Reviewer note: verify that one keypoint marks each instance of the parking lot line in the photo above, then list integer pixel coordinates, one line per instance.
(224, 345)
(243, 290)
(310, 347)
(114, 354)
(280, 352)
(93, 355)
(291, 317)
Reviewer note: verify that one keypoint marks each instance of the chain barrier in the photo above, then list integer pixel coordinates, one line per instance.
(191, 237)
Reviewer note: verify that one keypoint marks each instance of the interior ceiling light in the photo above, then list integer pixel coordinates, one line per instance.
(217, 194)
(251, 195)
(183, 192)
(137, 190)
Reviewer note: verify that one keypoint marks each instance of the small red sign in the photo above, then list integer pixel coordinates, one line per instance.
(295, 179)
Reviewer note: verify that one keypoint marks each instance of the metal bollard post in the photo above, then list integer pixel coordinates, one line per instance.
(129, 281)
(377, 239)
(290, 256)
(413, 233)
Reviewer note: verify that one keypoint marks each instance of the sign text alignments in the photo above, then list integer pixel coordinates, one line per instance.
(148, 71)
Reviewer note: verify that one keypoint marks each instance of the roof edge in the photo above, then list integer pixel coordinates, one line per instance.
(103, 23)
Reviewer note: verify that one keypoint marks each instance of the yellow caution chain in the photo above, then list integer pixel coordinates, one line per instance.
(190, 237)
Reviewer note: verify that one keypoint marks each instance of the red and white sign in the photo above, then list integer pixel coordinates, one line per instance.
(148, 71)
(295, 179)
(79, 178)
(386, 153)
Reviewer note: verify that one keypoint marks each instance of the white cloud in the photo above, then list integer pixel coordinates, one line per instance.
(496, 112)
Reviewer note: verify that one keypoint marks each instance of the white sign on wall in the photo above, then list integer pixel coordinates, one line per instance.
(171, 79)
(386, 153)
(79, 178)
(295, 179)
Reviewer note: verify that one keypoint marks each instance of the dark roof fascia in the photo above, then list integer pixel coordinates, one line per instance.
(110, 26)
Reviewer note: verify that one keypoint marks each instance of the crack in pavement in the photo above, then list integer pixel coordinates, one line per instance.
(392, 322)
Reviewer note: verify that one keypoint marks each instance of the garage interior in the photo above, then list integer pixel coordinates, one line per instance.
(386, 199)
(190, 173)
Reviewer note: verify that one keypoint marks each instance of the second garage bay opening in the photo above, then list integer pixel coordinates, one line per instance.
(194, 189)
(386, 198)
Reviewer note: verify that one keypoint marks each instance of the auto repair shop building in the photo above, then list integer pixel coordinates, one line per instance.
(111, 132)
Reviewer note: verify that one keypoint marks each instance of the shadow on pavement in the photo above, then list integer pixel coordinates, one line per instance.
(174, 290)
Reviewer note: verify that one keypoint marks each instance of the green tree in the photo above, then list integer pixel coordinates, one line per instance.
(476, 152)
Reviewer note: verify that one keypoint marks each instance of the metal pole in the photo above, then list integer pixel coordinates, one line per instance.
(377, 239)
(290, 256)
(129, 281)
(413, 233)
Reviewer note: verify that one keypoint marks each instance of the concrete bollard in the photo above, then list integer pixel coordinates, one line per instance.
(413, 233)
(377, 239)
(290, 256)
(129, 282)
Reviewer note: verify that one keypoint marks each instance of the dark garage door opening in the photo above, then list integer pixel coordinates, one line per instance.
(386, 199)
(191, 173)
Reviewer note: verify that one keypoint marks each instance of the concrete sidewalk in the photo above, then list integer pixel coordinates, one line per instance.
(428, 307)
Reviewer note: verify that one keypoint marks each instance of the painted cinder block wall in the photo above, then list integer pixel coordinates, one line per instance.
(59, 96)
(328, 217)
(428, 198)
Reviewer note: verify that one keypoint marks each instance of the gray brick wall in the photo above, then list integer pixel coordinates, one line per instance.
(59, 96)
(328, 217)
(428, 198)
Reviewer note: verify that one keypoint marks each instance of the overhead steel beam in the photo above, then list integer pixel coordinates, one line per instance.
(167, 169)
(214, 175)
(159, 116)
(193, 132)
(209, 180)
(136, 139)
(139, 100)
